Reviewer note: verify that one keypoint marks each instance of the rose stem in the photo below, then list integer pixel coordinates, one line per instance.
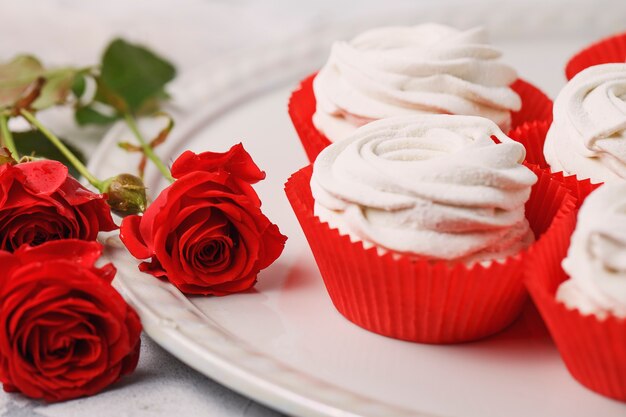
(80, 167)
(147, 149)
(7, 137)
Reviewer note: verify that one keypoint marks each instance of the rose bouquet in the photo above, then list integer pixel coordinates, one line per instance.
(65, 331)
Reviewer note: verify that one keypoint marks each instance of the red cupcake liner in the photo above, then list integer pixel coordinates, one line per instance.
(425, 301)
(533, 135)
(605, 51)
(301, 110)
(535, 106)
(594, 350)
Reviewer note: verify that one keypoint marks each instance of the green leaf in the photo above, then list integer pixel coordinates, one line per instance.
(16, 76)
(88, 115)
(134, 73)
(34, 143)
(56, 89)
(79, 85)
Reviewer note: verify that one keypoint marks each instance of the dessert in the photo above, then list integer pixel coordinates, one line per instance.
(596, 260)
(588, 135)
(582, 298)
(421, 69)
(419, 225)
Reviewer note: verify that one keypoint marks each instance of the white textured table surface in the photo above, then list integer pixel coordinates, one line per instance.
(197, 35)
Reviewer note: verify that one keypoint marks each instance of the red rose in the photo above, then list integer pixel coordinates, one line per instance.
(206, 233)
(65, 331)
(40, 202)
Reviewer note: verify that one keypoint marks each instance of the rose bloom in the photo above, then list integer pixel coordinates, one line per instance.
(206, 233)
(65, 331)
(40, 202)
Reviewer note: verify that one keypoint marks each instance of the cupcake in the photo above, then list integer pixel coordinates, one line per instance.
(398, 71)
(588, 135)
(584, 302)
(605, 51)
(419, 225)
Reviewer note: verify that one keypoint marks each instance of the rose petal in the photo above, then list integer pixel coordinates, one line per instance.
(236, 161)
(131, 236)
(43, 176)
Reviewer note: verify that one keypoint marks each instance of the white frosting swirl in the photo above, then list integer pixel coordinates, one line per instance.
(435, 186)
(395, 71)
(596, 260)
(588, 134)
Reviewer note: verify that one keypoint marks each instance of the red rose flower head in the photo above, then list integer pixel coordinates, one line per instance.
(206, 233)
(40, 202)
(65, 332)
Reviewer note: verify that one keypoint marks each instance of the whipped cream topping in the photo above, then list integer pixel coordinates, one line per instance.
(434, 186)
(596, 260)
(395, 71)
(588, 134)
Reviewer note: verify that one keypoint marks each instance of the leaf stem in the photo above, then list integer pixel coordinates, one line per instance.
(7, 137)
(147, 149)
(80, 167)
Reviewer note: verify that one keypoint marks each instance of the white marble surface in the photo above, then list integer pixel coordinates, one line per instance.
(199, 35)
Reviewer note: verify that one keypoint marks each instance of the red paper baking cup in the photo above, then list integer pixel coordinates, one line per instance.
(533, 136)
(605, 51)
(418, 300)
(301, 111)
(593, 350)
(535, 106)
(580, 189)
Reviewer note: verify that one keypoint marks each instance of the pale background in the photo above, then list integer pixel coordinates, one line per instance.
(199, 35)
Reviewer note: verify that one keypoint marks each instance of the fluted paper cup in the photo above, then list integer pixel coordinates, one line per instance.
(419, 300)
(533, 136)
(605, 51)
(593, 350)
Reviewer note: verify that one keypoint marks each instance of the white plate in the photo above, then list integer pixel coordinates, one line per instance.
(283, 343)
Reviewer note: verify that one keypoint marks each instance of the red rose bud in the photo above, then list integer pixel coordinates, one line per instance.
(40, 202)
(64, 330)
(6, 157)
(126, 195)
(206, 233)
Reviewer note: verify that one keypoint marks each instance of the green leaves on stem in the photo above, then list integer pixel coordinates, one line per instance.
(147, 148)
(20, 75)
(142, 81)
(25, 84)
(131, 80)
(125, 193)
(63, 149)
